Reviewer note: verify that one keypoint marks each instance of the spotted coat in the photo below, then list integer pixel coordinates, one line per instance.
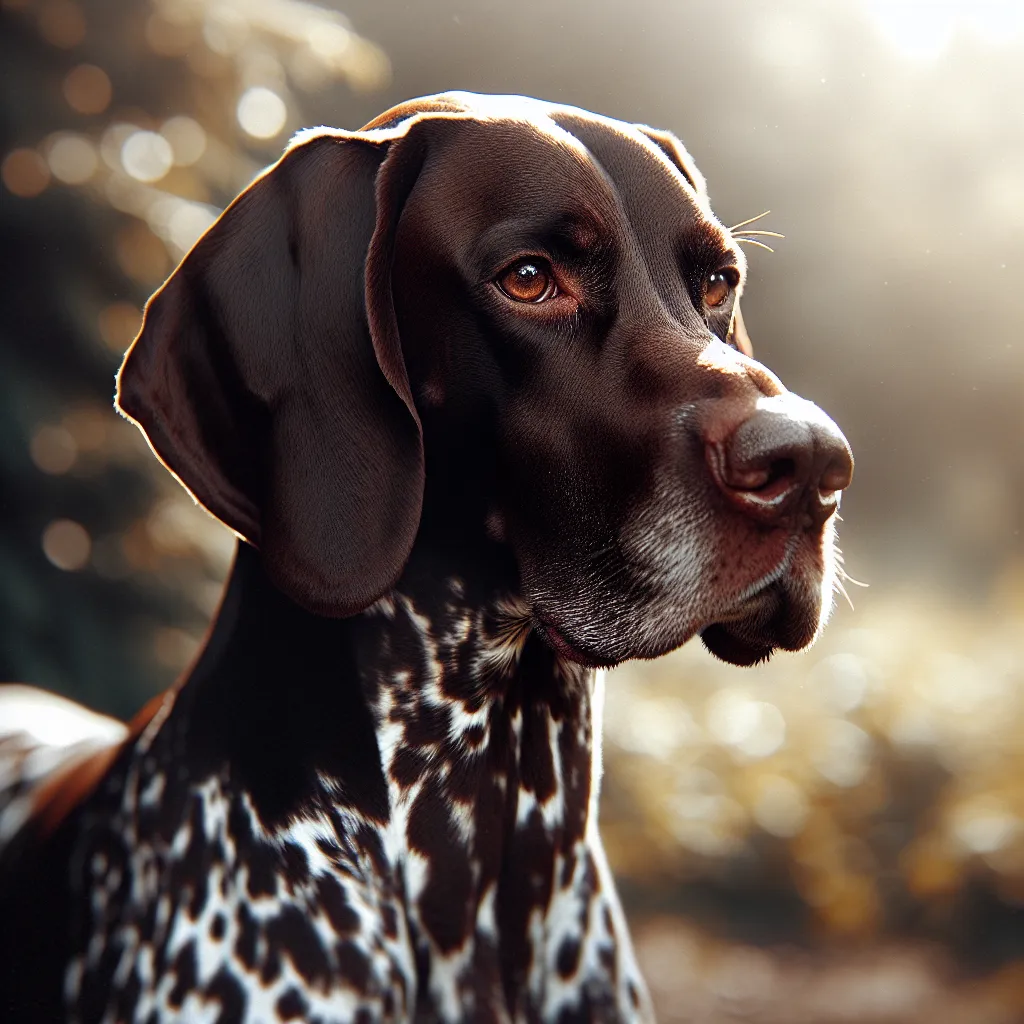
(462, 878)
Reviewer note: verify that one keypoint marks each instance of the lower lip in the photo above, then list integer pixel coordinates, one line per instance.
(760, 609)
(749, 605)
(564, 649)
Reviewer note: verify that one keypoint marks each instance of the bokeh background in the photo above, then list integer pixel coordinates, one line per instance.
(836, 836)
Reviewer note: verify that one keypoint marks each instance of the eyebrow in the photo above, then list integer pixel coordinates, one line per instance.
(581, 234)
(703, 245)
(568, 235)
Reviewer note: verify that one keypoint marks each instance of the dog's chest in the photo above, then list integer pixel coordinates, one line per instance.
(219, 919)
(488, 748)
(481, 894)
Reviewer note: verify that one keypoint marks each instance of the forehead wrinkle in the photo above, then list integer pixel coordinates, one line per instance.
(651, 185)
(615, 145)
(622, 150)
(513, 181)
(642, 180)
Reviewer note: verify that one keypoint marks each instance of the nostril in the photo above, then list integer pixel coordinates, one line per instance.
(758, 482)
(781, 471)
(749, 480)
(837, 476)
(776, 476)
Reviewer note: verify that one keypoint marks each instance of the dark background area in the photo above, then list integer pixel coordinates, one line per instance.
(838, 835)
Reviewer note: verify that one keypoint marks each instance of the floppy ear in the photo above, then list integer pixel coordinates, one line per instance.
(268, 375)
(738, 333)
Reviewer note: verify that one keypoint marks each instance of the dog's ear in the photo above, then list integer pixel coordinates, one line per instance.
(738, 333)
(678, 154)
(268, 375)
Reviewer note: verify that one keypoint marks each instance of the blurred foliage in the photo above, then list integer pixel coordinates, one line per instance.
(870, 785)
(843, 832)
(836, 836)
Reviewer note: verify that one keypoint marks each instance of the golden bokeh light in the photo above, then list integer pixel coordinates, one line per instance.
(87, 89)
(71, 157)
(330, 43)
(366, 67)
(168, 37)
(24, 173)
(61, 23)
(137, 548)
(187, 139)
(751, 728)
(67, 544)
(180, 222)
(53, 449)
(841, 752)
(170, 527)
(225, 30)
(983, 824)
(112, 142)
(88, 425)
(840, 682)
(174, 648)
(118, 324)
(146, 156)
(780, 806)
(261, 112)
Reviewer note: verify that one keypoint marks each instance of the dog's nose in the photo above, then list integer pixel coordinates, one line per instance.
(786, 459)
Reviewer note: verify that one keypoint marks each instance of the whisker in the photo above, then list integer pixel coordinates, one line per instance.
(838, 584)
(749, 220)
(856, 583)
(753, 241)
(770, 234)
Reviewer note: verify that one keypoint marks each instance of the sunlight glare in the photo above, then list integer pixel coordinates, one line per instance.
(923, 29)
(261, 112)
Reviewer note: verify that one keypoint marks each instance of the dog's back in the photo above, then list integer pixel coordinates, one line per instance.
(43, 740)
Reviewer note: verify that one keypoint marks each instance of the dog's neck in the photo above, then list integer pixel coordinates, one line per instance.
(449, 646)
(434, 736)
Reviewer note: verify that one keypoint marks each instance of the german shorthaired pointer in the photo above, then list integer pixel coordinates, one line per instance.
(472, 387)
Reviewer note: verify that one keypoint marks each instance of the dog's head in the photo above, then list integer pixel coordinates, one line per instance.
(531, 312)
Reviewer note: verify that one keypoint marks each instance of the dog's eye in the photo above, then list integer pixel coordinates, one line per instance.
(529, 280)
(718, 287)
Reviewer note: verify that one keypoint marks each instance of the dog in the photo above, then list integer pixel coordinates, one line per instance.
(472, 388)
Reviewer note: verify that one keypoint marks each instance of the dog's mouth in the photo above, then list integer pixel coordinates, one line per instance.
(784, 613)
(566, 649)
(749, 632)
(783, 609)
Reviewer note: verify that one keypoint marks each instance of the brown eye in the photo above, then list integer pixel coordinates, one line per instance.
(717, 288)
(528, 280)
